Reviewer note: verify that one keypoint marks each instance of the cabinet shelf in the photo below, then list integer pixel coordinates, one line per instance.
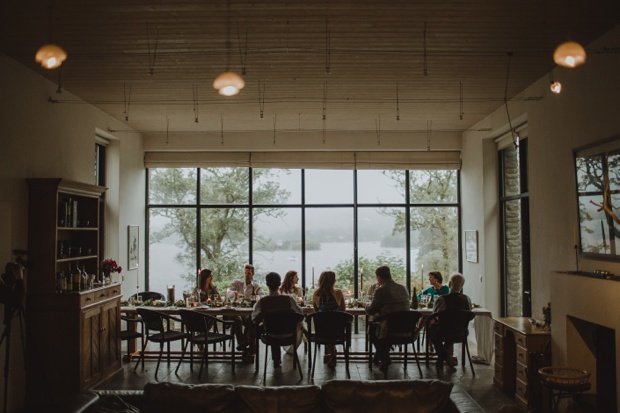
(73, 259)
(76, 229)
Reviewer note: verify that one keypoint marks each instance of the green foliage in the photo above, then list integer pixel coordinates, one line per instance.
(345, 271)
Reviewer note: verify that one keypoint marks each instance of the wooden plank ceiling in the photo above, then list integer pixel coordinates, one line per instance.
(395, 65)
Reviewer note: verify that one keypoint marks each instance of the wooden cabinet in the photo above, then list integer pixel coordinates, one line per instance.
(63, 230)
(73, 337)
(515, 339)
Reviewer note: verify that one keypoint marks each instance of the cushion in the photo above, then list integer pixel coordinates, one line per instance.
(283, 399)
(419, 396)
(205, 398)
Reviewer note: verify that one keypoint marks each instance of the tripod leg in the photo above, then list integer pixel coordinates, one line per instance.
(7, 352)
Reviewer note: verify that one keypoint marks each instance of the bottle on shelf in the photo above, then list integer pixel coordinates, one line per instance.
(84, 279)
(68, 279)
(77, 277)
(61, 282)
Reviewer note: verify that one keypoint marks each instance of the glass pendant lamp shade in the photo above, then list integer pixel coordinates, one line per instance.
(228, 84)
(569, 54)
(556, 87)
(50, 56)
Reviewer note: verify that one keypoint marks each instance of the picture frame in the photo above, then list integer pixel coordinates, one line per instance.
(133, 246)
(471, 245)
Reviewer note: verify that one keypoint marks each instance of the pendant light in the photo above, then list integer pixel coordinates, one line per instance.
(554, 85)
(50, 55)
(569, 54)
(228, 83)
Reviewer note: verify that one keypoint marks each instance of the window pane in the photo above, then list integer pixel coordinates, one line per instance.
(172, 249)
(329, 244)
(276, 186)
(434, 242)
(379, 246)
(224, 243)
(380, 187)
(511, 171)
(277, 241)
(433, 186)
(329, 187)
(513, 258)
(224, 185)
(172, 186)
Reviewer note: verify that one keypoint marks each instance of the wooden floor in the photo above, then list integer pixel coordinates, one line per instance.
(480, 386)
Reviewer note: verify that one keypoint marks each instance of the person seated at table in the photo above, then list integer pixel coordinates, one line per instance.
(290, 287)
(272, 303)
(371, 291)
(245, 288)
(456, 300)
(436, 288)
(205, 289)
(389, 298)
(328, 298)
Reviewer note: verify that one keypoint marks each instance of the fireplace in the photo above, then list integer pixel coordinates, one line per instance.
(585, 318)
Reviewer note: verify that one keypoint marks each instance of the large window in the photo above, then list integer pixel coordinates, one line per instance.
(304, 220)
(515, 224)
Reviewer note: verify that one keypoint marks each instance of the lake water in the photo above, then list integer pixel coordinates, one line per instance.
(165, 270)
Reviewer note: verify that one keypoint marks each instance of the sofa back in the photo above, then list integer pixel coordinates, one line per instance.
(337, 396)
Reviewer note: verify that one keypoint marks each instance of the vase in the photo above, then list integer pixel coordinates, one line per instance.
(106, 278)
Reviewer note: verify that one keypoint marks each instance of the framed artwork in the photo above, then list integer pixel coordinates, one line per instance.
(133, 244)
(471, 245)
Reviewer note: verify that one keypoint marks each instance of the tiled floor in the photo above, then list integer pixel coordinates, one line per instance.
(480, 386)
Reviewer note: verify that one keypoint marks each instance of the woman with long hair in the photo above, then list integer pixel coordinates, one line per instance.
(328, 298)
(206, 288)
(289, 285)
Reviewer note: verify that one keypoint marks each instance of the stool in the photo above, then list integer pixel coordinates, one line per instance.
(564, 382)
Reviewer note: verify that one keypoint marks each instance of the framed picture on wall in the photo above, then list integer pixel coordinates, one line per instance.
(471, 245)
(133, 244)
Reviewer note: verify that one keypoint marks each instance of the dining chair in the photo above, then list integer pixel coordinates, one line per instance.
(159, 329)
(333, 327)
(201, 330)
(132, 332)
(402, 330)
(278, 328)
(453, 327)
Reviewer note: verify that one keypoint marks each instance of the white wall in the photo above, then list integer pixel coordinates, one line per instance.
(44, 140)
(587, 111)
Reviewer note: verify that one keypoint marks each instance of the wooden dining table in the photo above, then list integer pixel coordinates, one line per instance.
(483, 326)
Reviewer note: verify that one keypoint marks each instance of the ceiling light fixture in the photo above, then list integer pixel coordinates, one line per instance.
(569, 54)
(554, 85)
(50, 55)
(228, 83)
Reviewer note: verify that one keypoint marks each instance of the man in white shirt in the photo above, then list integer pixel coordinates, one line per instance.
(245, 288)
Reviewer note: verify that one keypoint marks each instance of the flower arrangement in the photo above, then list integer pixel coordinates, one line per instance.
(109, 266)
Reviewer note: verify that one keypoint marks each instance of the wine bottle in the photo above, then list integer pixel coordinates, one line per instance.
(414, 299)
(84, 278)
(68, 279)
(76, 278)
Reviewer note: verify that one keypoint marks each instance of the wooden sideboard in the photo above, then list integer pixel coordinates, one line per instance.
(515, 339)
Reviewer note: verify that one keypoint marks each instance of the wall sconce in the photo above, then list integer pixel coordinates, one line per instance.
(50, 56)
(569, 54)
(556, 87)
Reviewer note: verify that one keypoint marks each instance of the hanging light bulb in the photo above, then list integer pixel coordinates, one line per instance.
(569, 54)
(556, 87)
(50, 56)
(228, 84)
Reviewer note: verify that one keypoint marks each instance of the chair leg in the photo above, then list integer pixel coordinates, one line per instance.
(316, 350)
(417, 360)
(181, 359)
(405, 361)
(296, 360)
(141, 358)
(473, 372)
(161, 353)
(205, 360)
(233, 352)
(265, 369)
(346, 360)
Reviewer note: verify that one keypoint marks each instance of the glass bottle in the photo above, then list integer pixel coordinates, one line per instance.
(414, 299)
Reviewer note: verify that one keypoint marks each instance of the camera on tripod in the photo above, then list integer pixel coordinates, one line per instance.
(12, 268)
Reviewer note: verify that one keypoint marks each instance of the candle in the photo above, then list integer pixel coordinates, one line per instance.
(422, 278)
(137, 276)
(361, 279)
(313, 276)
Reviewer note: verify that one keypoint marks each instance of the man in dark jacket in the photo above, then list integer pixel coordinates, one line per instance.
(389, 298)
(456, 300)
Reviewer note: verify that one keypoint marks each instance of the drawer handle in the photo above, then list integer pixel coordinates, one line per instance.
(114, 292)
(102, 295)
(88, 298)
(102, 329)
(520, 355)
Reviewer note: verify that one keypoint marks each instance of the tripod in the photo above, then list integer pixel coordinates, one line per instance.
(10, 314)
